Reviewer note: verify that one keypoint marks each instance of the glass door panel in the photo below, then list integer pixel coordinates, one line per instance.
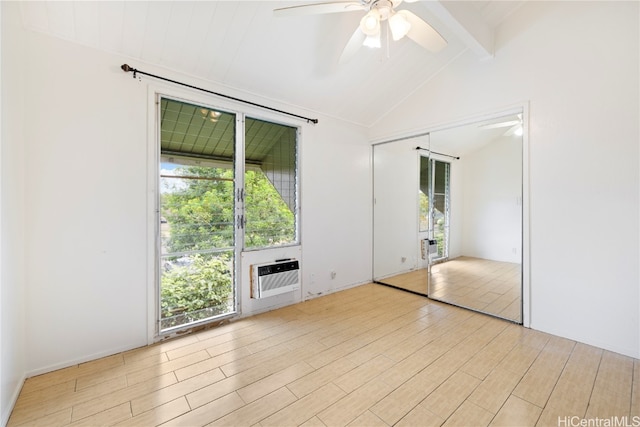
(197, 232)
(197, 208)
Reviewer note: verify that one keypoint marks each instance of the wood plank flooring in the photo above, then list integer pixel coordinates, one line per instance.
(368, 356)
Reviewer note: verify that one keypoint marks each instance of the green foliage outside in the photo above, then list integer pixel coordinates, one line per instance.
(196, 291)
(199, 216)
(424, 212)
(200, 212)
(270, 222)
(438, 234)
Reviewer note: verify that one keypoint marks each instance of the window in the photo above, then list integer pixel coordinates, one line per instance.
(270, 203)
(207, 214)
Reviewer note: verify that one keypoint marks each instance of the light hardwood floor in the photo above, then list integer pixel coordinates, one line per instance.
(368, 356)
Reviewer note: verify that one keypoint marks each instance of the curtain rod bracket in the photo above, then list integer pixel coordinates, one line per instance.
(127, 68)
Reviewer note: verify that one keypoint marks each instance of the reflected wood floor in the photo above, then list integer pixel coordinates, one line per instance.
(367, 356)
(414, 281)
(480, 284)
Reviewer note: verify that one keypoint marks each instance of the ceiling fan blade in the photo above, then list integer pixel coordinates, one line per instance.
(500, 124)
(319, 8)
(422, 33)
(352, 47)
(513, 130)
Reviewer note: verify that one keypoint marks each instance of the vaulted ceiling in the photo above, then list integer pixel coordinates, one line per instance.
(293, 60)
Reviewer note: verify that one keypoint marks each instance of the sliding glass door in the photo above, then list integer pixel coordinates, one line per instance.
(228, 183)
(197, 207)
(197, 235)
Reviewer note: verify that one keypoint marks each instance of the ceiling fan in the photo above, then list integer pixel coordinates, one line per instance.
(515, 126)
(399, 23)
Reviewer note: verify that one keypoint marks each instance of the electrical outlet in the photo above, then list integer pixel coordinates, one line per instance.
(333, 275)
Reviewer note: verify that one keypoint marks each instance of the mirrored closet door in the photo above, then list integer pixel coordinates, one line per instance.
(397, 260)
(448, 215)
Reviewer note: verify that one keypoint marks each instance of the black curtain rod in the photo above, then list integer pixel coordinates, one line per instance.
(126, 68)
(440, 154)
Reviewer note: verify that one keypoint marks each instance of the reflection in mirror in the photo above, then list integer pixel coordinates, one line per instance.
(434, 217)
(397, 259)
(464, 246)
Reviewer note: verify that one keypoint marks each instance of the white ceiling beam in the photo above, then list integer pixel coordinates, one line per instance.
(467, 24)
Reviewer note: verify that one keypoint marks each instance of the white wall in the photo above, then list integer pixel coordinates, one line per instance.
(491, 201)
(335, 221)
(86, 202)
(336, 201)
(583, 89)
(12, 275)
(85, 147)
(456, 209)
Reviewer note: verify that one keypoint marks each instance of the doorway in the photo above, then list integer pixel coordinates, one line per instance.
(227, 185)
(197, 215)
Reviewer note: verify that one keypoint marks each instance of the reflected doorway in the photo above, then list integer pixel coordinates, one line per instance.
(434, 197)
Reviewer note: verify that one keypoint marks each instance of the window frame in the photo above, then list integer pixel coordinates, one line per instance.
(297, 210)
(155, 94)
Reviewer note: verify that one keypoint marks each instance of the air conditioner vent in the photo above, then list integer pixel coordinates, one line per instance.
(274, 278)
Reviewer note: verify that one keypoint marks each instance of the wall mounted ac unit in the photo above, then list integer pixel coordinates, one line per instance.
(428, 248)
(274, 278)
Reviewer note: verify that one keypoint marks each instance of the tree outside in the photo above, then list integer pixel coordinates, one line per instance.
(197, 210)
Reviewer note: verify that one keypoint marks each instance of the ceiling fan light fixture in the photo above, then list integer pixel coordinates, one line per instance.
(371, 28)
(370, 23)
(399, 26)
(373, 41)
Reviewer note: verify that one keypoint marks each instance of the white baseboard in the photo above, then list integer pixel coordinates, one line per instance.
(84, 359)
(338, 289)
(6, 412)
